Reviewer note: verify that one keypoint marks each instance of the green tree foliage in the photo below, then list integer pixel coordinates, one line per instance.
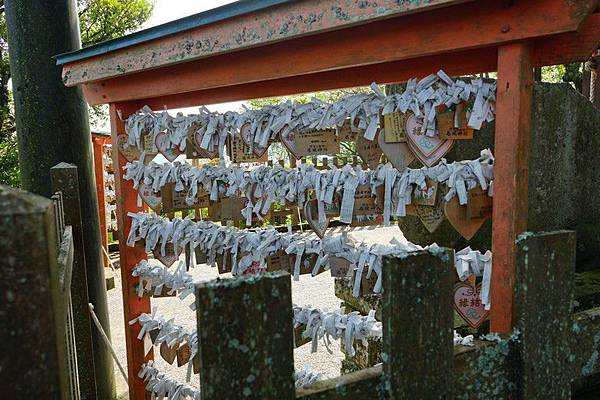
(99, 20)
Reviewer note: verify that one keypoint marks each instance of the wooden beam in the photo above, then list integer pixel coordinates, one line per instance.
(379, 42)
(267, 26)
(133, 305)
(456, 64)
(513, 130)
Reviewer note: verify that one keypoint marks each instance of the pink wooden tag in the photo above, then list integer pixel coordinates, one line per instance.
(427, 149)
(153, 200)
(170, 153)
(130, 152)
(467, 303)
(245, 135)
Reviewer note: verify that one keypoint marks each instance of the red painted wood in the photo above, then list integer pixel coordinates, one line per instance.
(133, 306)
(438, 32)
(511, 168)
(468, 62)
(98, 142)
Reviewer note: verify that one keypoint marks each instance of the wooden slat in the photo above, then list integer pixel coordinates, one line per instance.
(511, 170)
(66, 253)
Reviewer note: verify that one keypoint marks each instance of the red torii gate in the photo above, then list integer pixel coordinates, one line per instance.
(254, 49)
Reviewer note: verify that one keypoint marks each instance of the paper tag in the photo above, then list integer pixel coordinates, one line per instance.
(148, 345)
(175, 201)
(479, 204)
(394, 125)
(310, 142)
(427, 196)
(468, 304)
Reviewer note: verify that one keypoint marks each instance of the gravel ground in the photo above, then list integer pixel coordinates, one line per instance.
(316, 291)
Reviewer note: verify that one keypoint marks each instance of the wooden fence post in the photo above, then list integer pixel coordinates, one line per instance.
(65, 180)
(33, 362)
(417, 325)
(543, 298)
(245, 337)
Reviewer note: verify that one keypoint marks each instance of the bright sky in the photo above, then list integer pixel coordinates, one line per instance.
(169, 10)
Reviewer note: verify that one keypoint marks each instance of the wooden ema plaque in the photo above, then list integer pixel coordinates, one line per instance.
(467, 303)
(369, 151)
(446, 123)
(227, 209)
(279, 261)
(310, 142)
(426, 196)
(148, 146)
(345, 133)
(365, 203)
(432, 216)
(394, 124)
(479, 204)
(175, 201)
(193, 149)
(240, 153)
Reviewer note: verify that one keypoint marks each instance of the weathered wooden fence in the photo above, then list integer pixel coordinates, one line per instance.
(45, 335)
(246, 346)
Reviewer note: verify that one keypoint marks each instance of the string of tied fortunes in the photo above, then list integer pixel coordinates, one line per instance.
(263, 185)
(425, 98)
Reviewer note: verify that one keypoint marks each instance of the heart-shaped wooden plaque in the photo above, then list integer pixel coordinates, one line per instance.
(170, 256)
(247, 139)
(399, 154)
(457, 215)
(153, 200)
(429, 150)
(369, 151)
(467, 303)
(311, 214)
(162, 144)
(130, 152)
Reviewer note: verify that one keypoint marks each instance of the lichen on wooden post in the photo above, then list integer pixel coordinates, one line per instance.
(245, 337)
(65, 180)
(33, 362)
(543, 301)
(417, 325)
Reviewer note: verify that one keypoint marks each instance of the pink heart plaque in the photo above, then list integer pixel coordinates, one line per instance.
(130, 152)
(427, 149)
(153, 200)
(162, 144)
(211, 152)
(245, 135)
(467, 303)
(312, 217)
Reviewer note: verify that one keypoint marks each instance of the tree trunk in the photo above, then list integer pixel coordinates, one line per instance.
(53, 126)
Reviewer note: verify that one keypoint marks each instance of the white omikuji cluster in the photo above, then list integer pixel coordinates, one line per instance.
(163, 386)
(248, 247)
(319, 324)
(287, 185)
(421, 97)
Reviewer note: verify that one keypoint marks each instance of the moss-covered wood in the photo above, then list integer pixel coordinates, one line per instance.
(246, 337)
(32, 313)
(417, 324)
(543, 301)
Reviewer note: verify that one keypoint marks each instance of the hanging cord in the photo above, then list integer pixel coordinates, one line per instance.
(107, 342)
